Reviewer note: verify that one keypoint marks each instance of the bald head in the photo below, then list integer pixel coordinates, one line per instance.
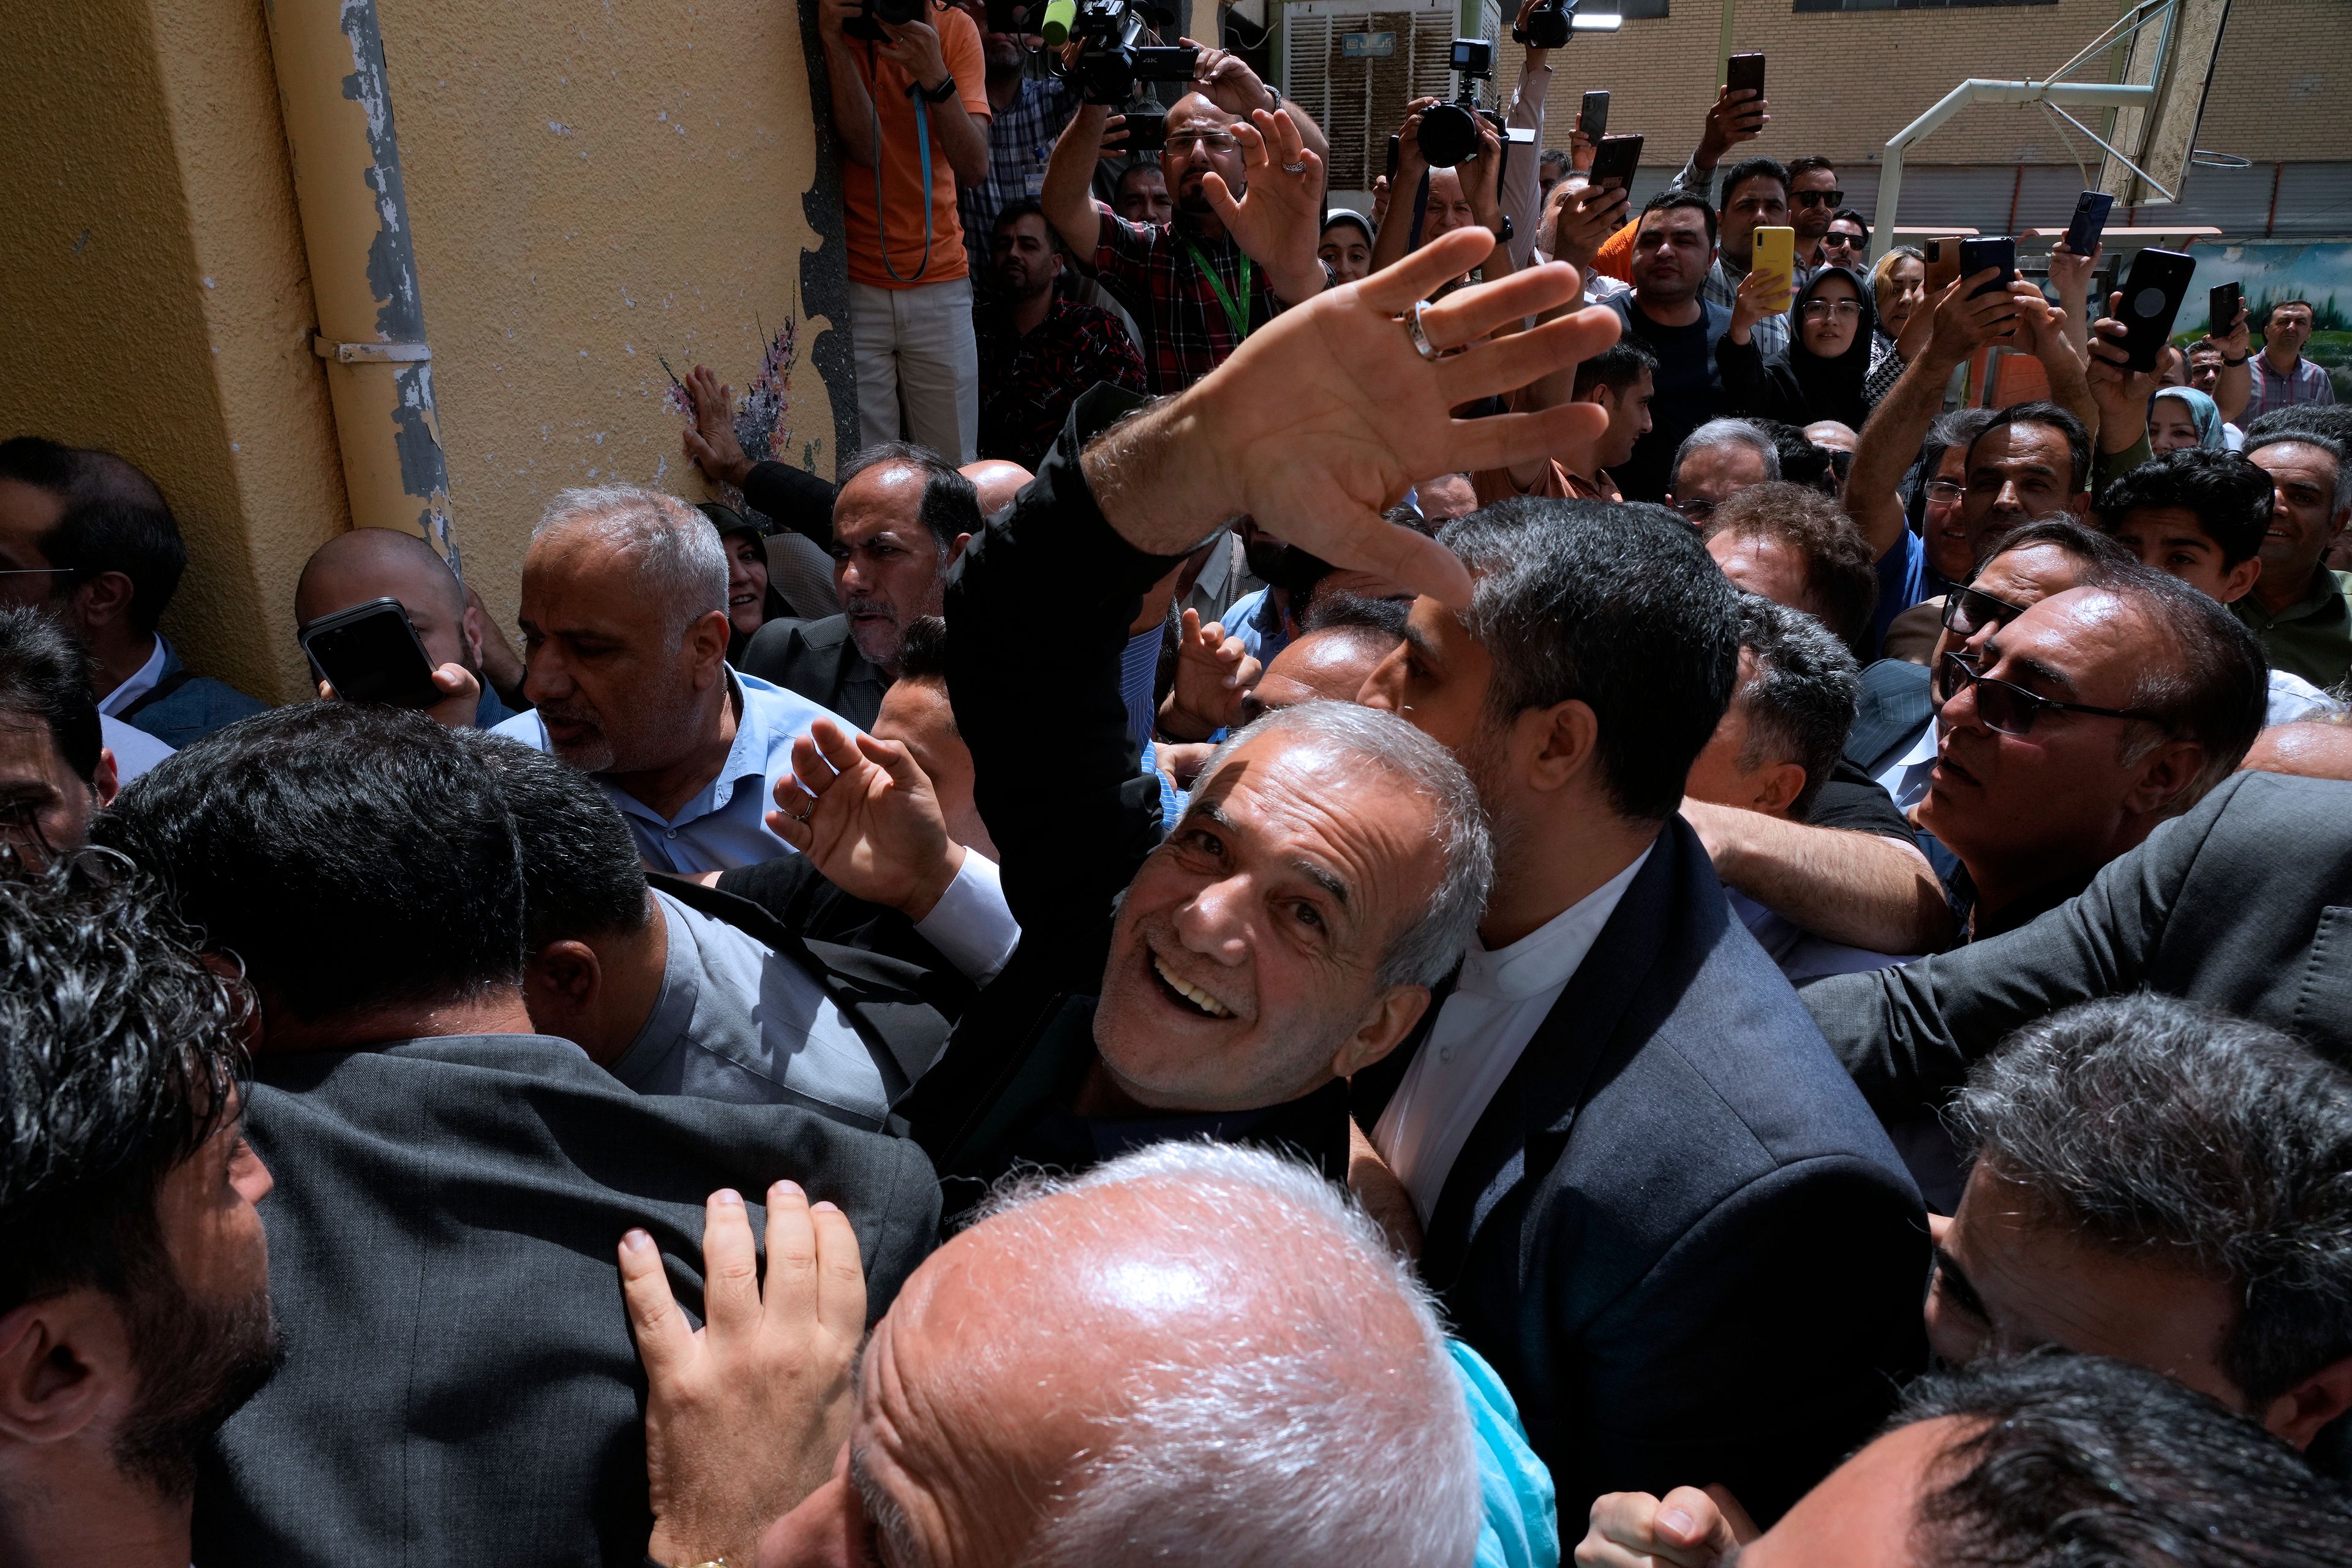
(997, 481)
(384, 564)
(2311, 749)
(1161, 1347)
(1331, 665)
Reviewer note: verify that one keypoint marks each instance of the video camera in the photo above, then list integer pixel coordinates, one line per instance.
(1551, 23)
(872, 14)
(1449, 132)
(1114, 57)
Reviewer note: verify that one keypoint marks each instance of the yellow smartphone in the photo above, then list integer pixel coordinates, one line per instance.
(1775, 251)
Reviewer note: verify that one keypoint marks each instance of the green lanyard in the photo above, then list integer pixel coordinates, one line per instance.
(1237, 320)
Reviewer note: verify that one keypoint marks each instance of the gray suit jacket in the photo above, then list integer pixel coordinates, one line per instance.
(460, 1384)
(2244, 905)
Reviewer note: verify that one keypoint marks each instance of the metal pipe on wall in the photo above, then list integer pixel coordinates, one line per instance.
(337, 105)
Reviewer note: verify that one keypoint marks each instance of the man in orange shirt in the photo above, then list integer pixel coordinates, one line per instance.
(911, 110)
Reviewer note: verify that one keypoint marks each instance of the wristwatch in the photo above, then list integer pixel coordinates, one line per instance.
(2233, 364)
(942, 93)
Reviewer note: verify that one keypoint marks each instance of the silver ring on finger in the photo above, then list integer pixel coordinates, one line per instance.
(1297, 168)
(1418, 333)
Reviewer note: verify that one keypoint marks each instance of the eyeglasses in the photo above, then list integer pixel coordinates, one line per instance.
(1822, 309)
(35, 571)
(1181, 143)
(1945, 492)
(1697, 508)
(1968, 611)
(1817, 198)
(2009, 710)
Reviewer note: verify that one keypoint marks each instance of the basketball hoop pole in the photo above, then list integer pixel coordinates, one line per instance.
(2092, 94)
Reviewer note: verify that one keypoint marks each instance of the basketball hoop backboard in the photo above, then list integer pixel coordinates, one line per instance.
(2174, 56)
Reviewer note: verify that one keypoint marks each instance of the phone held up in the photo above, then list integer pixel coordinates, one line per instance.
(1592, 116)
(370, 653)
(1776, 252)
(2091, 209)
(1745, 73)
(2152, 293)
(1615, 160)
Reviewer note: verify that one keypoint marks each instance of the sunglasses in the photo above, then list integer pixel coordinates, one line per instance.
(1969, 611)
(1833, 240)
(1697, 508)
(2009, 710)
(1818, 198)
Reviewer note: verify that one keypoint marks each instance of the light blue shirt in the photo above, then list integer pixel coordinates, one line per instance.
(725, 824)
(1256, 619)
(1519, 1527)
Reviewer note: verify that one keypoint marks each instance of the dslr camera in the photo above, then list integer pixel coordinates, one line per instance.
(1115, 56)
(1449, 132)
(872, 14)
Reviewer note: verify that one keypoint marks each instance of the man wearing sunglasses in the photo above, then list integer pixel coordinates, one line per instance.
(1813, 199)
(2081, 724)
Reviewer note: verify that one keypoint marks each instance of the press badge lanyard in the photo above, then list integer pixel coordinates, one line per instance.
(1237, 320)
(923, 141)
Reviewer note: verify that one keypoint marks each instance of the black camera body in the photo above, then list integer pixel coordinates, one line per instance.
(1553, 23)
(872, 14)
(1449, 132)
(1116, 57)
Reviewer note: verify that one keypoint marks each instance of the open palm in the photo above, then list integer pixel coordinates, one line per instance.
(864, 814)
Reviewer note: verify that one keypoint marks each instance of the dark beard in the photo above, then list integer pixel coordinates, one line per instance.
(197, 1362)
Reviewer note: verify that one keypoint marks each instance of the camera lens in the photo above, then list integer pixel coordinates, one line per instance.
(1547, 29)
(1449, 134)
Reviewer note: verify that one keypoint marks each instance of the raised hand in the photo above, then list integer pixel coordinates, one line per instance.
(1584, 216)
(1688, 1528)
(1214, 674)
(745, 1415)
(460, 699)
(1758, 293)
(709, 441)
(1964, 323)
(2121, 391)
(1226, 81)
(1734, 117)
(864, 812)
(1278, 218)
(1326, 415)
(914, 47)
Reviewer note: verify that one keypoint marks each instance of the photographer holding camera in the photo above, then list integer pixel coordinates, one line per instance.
(908, 85)
(1245, 168)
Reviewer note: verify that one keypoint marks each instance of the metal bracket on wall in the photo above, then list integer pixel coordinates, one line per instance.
(367, 354)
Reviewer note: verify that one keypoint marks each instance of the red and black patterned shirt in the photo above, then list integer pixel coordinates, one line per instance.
(1028, 381)
(1155, 271)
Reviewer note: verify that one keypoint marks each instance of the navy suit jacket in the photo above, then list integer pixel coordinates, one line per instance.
(182, 709)
(1891, 709)
(1678, 1231)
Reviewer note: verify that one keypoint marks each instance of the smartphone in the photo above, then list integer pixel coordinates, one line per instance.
(2152, 293)
(1976, 254)
(1775, 251)
(1943, 265)
(371, 653)
(1592, 118)
(1147, 130)
(2221, 307)
(1745, 73)
(1615, 162)
(2091, 209)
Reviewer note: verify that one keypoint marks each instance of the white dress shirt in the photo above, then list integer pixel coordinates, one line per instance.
(141, 682)
(135, 751)
(1495, 1008)
(1906, 778)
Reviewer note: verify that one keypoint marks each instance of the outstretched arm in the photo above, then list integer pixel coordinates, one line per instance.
(1863, 889)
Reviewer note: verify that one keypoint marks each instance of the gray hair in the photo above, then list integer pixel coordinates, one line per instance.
(1426, 950)
(2219, 695)
(678, 559)
(1800, 700)
(1294, 1441)
(2151, 1125)
(2278, 435)
(1731, 432)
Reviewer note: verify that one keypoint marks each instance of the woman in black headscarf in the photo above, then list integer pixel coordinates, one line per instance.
(1819, 375)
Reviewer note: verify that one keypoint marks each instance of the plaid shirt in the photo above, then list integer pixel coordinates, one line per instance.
(1020, 139)
(2307, 383)
(1185, 331)
(1771, 333)
(1027, 381)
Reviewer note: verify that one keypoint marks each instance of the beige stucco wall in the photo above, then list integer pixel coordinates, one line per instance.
(590, 186)
(153, 296)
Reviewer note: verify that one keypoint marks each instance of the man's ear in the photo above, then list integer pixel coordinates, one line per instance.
(107, 782)
(956, 549)
(470, 631)
(2238, 580)
(62, 1358)
(1778, 786)
(102, 601)
(706, 643)
(2164, 773)
(1393, 1014)
(565, 977)
(1561, 742)
(2296, 1415)
(2079, 504)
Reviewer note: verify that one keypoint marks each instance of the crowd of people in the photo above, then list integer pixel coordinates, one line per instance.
(1412, 888)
